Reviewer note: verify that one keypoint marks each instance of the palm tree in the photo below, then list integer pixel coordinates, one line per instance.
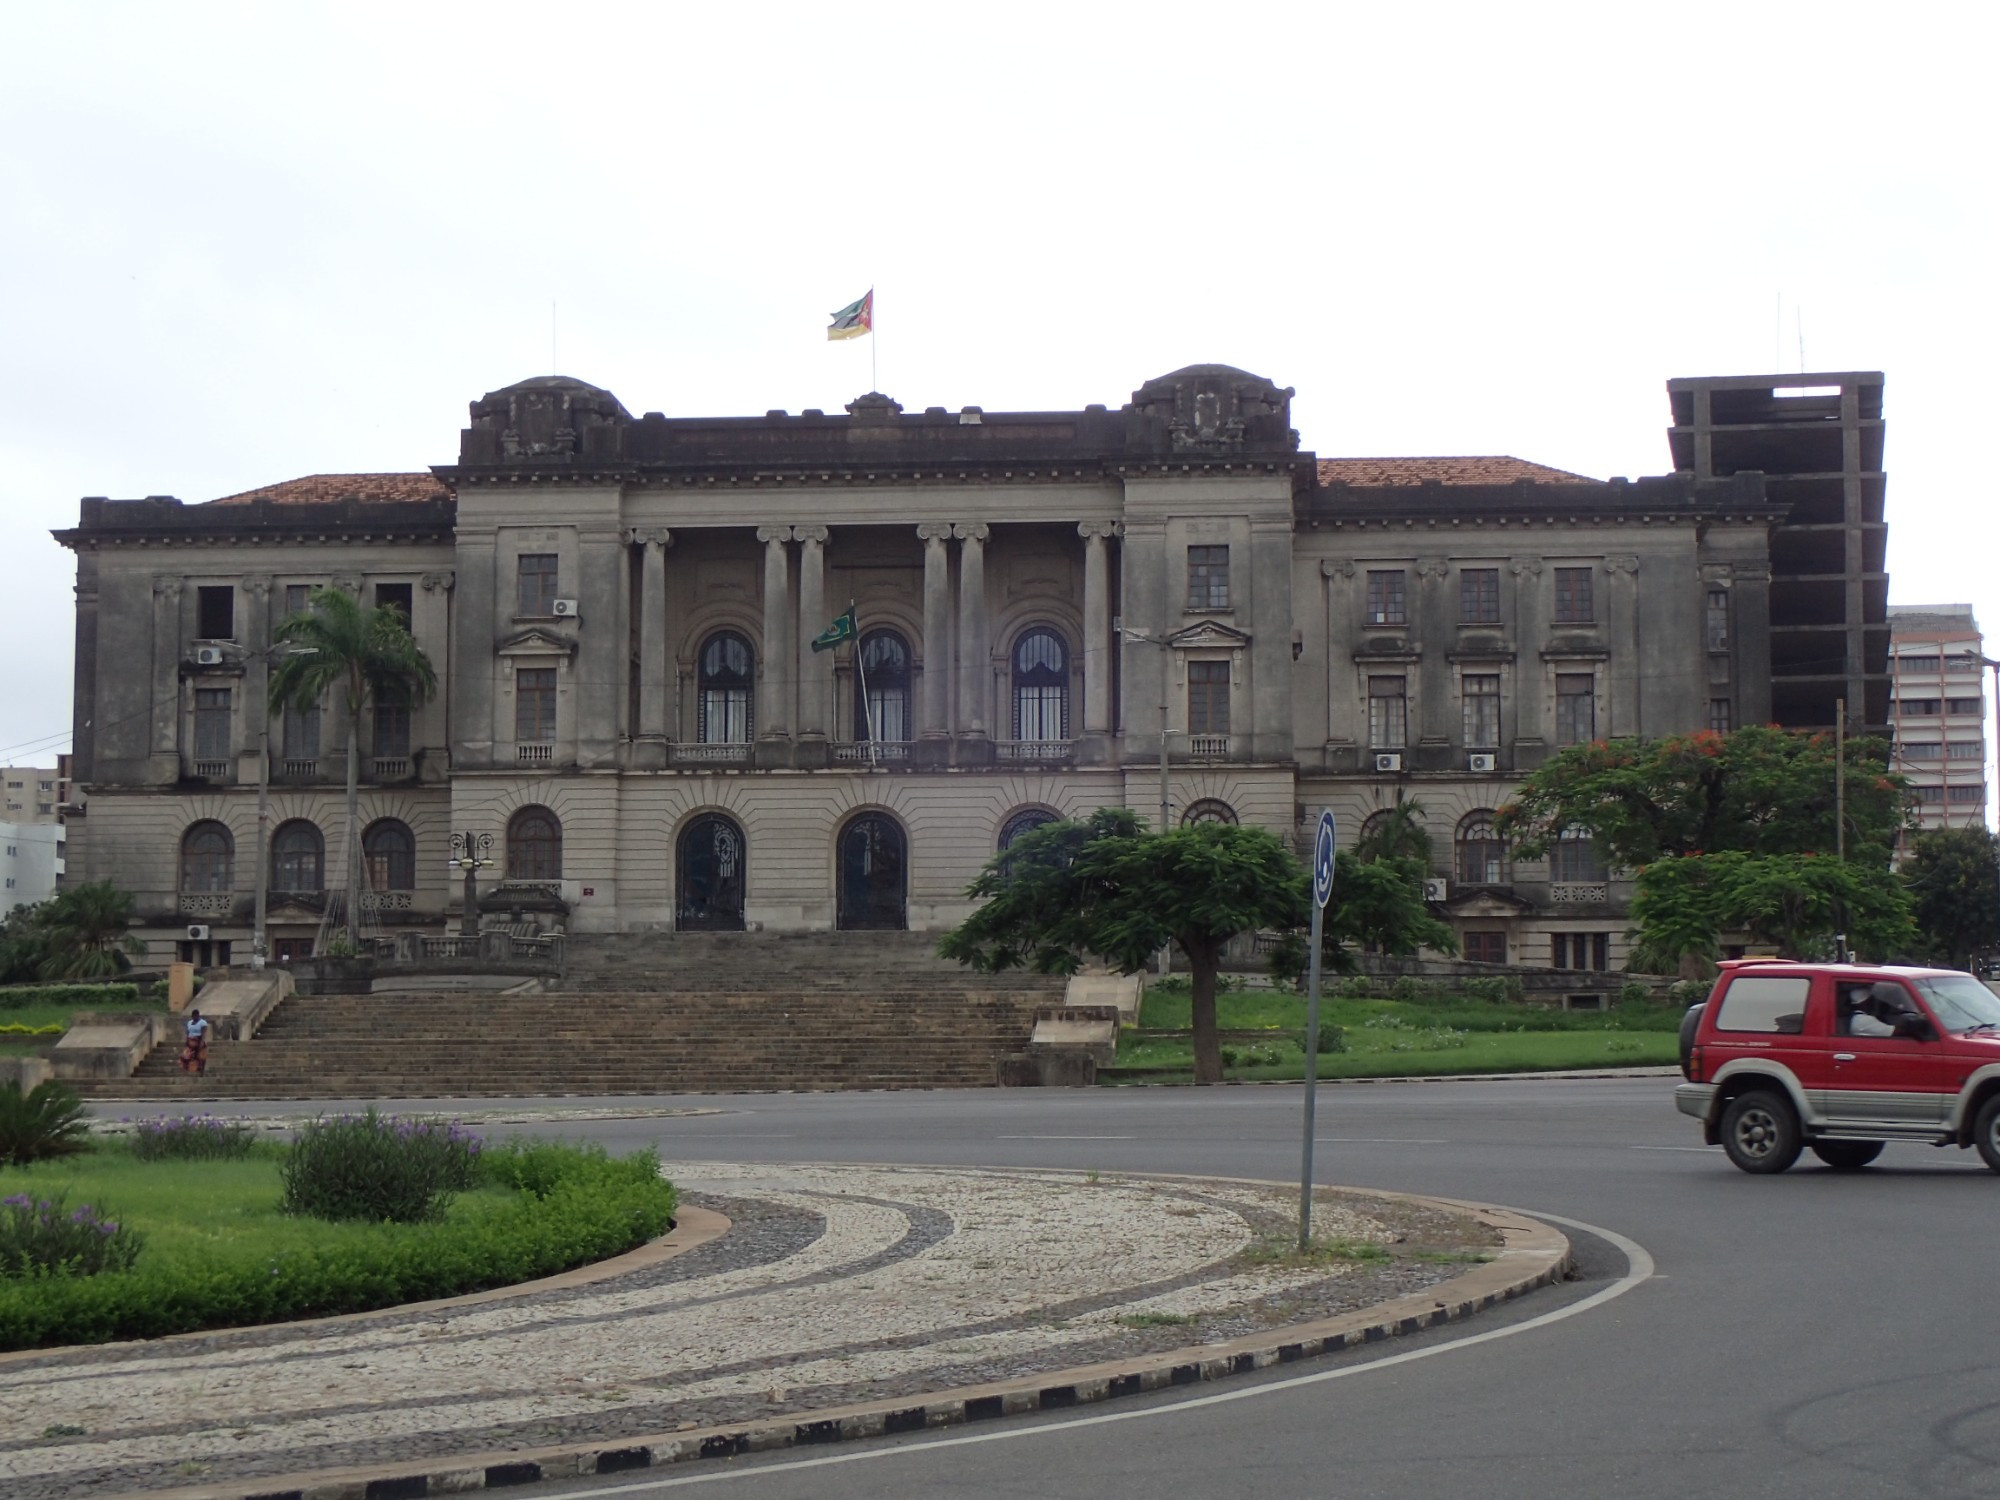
(363, 656)
(83, 932)
(1399, 834)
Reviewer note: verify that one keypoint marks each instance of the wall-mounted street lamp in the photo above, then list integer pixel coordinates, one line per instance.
(470, 852)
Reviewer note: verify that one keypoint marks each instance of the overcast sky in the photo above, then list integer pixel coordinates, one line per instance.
(244, 243)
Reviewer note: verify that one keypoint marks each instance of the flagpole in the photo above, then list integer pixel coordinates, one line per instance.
(867, 703)
(874, 380)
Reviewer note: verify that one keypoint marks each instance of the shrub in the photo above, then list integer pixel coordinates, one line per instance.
(21, 1028)
(191, 1138)
(378, 1167)
(1355, 987)
(1332, 1038)
(47, 1121)
(594, 1208)
(99, 996)
(1688, 992)
(1634, 993)
(45, 1237)
(1494, 989)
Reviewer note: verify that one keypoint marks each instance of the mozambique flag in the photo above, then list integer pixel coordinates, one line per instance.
(842, 629)
(854, 319)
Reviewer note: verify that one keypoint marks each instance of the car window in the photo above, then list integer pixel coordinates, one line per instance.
(1961, 1002)
(1764, 1003)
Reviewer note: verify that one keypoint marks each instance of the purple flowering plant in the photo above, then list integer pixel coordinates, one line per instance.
(45, 1237)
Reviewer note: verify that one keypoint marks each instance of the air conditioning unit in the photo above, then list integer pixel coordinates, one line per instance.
(566, 608)
(197, 932)
(1389, 761)
(1437, 890)
(1481, 761)
(208, 656)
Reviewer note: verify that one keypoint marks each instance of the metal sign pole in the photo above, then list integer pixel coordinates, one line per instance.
(1323, 847)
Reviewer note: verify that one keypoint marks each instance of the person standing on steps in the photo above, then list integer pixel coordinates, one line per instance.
(194, 1056)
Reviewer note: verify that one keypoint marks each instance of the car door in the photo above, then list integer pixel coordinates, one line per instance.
(1892, 1084)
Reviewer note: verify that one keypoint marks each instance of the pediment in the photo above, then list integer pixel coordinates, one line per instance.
(536, 640)
(1489, 904)
(1209, 635)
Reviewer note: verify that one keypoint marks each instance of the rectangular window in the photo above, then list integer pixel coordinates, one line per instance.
(1764, 1004)
(1920, 708)
(1388, 712)
(1718, 619)
(1387, 597)
(1486, 947)
(1916, 664)
(301, 737)
(211, 724)
(215, 612)
(1967, 750)
(1959, 662)
(535, 705)
(1576, 708)
(1922, 750)
(392, 729)
(1208, 697)
(1966, 794)
(1929, 795)
(1719, 715)
(1573, 602)
(396, 596)
(1962, 705)
(1479, 596)
(1575, 861)
(1208, 577)
(537, 580)
(296, 598)
(1482, 710)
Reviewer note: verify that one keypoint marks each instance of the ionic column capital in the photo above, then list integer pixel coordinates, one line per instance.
(649, 536)
(771, 534)
(971, 531)
(814, 534)
(1099, 530)
(935, 531)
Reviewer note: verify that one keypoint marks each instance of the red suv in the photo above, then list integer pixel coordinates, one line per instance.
(1840, 1059)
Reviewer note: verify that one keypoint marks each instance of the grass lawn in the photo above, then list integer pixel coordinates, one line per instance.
(59, 1014)
(1383, 1038)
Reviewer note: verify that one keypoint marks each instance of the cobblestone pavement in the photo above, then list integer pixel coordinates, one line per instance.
(833, 1285)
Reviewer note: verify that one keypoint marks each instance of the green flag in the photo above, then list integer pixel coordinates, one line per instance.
(842, 629)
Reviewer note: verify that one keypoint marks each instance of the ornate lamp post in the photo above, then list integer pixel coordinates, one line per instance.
(471, 853)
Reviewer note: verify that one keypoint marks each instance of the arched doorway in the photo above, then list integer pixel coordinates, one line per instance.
(874, 874)
(708, 876)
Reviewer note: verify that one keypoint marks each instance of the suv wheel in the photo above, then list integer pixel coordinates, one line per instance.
(1986, 1132)
(1846, 1156)
(1761, 1134)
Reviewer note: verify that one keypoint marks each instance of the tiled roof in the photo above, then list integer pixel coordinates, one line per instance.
(319, 489)
(1479, 469)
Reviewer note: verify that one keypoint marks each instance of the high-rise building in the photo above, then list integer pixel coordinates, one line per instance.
(1938, 711)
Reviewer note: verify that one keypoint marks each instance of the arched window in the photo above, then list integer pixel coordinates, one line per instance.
(882, 693)
(1025, 821)
(390, 852)
(1041, 686)
(208, 858)
(724, 674)
(1208, 810)
(1482, 858)
(534, 845)
(1575, 859)
(298, 857)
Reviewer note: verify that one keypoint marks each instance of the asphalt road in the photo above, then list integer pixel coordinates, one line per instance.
(1814, 1335)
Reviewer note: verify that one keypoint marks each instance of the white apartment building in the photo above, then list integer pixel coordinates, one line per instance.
(1937, 709)
(31, 862)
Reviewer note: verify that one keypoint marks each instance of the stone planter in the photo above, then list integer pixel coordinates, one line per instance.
(331, 975)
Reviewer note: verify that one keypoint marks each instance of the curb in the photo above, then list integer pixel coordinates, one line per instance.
(1533, 1255)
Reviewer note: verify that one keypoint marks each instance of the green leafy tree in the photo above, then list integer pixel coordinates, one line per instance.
(1762, 791)
(1109, 887)
(358, 656)
(1794, 903)
(1379, 903)
(85, 932)
(1953, 879)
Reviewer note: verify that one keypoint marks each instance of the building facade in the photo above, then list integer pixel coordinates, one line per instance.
(636, 732)
(31, 863)
(1937, 710)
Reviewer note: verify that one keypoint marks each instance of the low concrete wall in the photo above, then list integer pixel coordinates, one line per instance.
(100, 1045)
(1093, 1028)
(235, 1007)
(27, 1072)
(1123, 991)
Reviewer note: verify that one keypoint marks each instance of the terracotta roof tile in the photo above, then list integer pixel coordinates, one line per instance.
(319, 489)
(1478, 469)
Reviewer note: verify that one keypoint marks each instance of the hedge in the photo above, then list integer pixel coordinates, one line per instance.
(593, 1207)
(105, 995)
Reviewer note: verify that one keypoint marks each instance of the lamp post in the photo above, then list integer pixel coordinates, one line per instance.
(1127, 633)
(470, 852)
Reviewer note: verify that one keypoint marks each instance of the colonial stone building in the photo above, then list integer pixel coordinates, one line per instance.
(634, 727)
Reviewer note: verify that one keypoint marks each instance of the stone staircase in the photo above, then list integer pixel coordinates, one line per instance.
(641, 1014)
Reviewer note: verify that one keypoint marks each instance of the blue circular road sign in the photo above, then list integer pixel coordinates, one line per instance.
(1323, 859)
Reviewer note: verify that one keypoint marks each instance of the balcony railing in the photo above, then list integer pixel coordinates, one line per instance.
(207, 903)
(388, 900)
(1208, 746)
(299, 767)
(1578, 892)
(535, 755)
(214, 770)
(884, 752)
(391, 767)
(1059, 752)
(727, 753)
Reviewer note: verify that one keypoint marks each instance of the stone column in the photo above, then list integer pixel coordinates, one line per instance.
(166, 691)
(815, 667)
(1096, 626)
(650, 753)
(256, 637)
(934, 726)
(773, 686)
(973, 677)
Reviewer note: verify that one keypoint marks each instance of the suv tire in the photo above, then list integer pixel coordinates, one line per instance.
(1986, 1132)
(1761, 1134)
(1690, 1024)
(1846, 1156)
